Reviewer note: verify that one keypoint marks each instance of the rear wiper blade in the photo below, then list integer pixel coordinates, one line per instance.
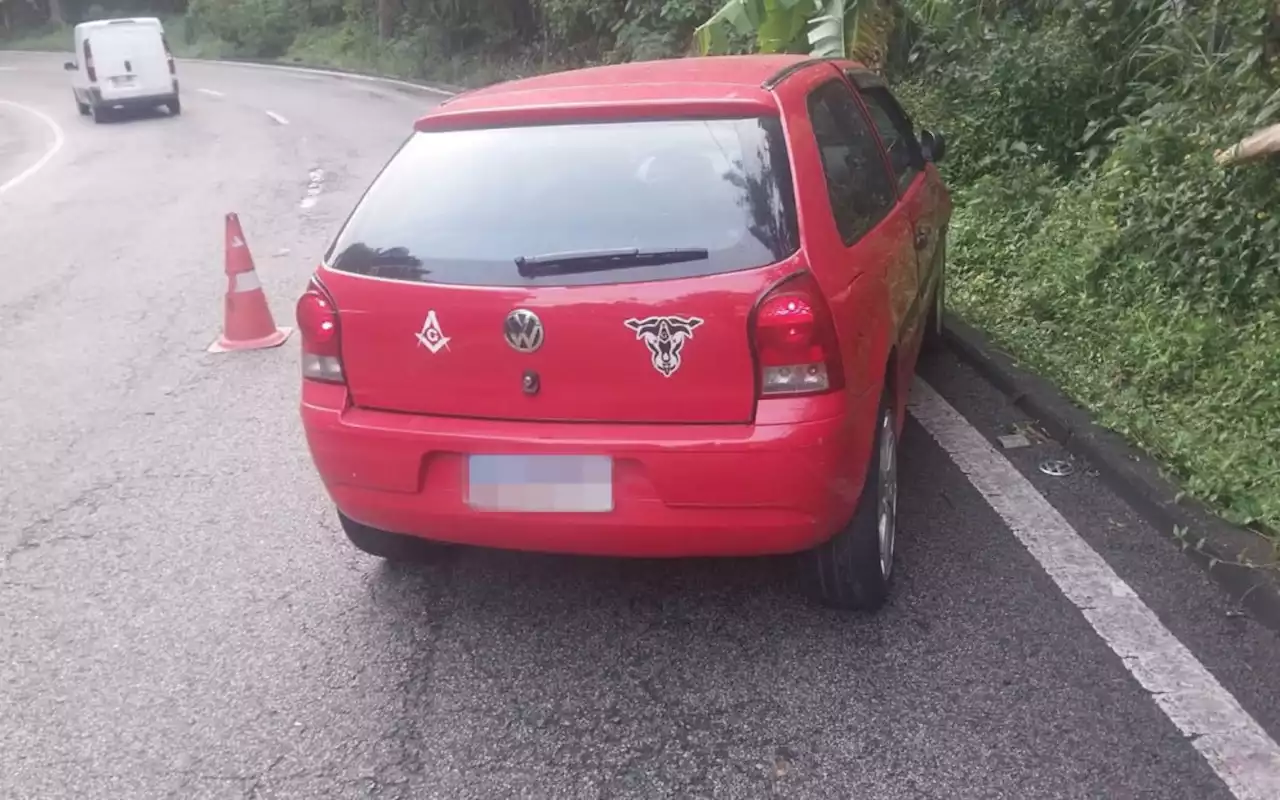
(599, 260)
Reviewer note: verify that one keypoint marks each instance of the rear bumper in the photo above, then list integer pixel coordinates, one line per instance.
(687, 490)
(100, 98)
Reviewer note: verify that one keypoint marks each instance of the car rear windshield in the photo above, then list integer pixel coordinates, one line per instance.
(475, 207)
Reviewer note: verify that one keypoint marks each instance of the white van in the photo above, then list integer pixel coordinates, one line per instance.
(123, 63)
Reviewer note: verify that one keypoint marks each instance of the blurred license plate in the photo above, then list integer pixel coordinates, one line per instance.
(540, 483)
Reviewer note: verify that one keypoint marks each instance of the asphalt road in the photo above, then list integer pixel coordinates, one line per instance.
(180, 616)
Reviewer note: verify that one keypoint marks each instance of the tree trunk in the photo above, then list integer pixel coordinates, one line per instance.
(55, 13)
(386, 18)
(524, 20)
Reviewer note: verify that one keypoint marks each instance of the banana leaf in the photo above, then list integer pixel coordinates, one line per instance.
(857, 29)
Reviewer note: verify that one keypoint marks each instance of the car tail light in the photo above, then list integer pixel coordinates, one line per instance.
(795, 340)
(88, 63)
(321, 336)
(173, 70)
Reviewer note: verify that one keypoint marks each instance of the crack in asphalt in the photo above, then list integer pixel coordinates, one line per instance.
(25, 539)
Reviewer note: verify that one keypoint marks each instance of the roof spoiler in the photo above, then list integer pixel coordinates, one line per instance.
(862, 77)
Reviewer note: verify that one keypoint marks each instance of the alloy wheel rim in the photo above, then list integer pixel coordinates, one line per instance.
(887, 483)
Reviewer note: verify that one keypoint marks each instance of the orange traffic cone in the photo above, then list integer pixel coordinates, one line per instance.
(248, 324)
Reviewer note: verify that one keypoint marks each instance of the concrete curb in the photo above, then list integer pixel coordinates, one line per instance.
(441, 89)
(1134, 476)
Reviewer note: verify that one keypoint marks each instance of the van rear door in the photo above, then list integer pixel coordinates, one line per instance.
(131, 60)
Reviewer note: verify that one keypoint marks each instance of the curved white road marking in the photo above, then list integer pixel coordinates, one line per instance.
(58, 140)
(278, 118)
(211, 92)
(1235, 746)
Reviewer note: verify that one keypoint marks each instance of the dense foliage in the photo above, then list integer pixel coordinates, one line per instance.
(1095, 236)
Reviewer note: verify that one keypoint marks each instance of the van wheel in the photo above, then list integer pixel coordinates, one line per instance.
(83, 108)
(175, 107)
(854, 569)
(100, 114)
(392, 546)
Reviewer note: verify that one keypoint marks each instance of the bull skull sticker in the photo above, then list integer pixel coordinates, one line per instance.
(665, 337)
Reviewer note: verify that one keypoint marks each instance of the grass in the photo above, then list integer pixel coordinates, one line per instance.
(1197, 388)
(344, 47)
(58, 39)
(420, 58)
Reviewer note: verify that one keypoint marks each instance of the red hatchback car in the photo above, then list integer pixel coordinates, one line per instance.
(660, 309)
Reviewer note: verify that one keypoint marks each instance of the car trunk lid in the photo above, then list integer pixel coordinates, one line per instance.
(668, 352)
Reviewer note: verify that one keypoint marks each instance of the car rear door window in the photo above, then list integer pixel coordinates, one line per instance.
(676, 198)
(858, 184)
(894, 127)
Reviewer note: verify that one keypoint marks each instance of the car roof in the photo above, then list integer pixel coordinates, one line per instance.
(105, 23)
(700, 85)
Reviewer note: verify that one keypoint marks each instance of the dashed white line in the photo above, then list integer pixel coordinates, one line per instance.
(211, 92)
(1230, 740)
(278, 118)
(58, 141)
(314, 187)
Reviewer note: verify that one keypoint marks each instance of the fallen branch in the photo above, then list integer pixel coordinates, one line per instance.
(1264, 142)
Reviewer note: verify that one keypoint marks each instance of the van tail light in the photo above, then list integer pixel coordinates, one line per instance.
(88, 63)
(173, 70)
(321, 336)
(795, 340)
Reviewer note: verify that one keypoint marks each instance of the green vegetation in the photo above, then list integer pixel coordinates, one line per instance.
(459, 42)
(1095, 237)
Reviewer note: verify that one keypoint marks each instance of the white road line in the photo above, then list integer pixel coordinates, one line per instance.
(211, 92)
(355, 76)
(278, 118)
(1231, 741)
(58, 141)
(314, 187)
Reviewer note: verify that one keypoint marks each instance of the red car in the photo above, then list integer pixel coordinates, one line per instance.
(659, 309)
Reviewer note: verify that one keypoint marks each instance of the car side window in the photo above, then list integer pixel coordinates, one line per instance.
(860, 188)
(896, 132)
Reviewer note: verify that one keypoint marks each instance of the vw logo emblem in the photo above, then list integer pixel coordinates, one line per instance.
(523, 330)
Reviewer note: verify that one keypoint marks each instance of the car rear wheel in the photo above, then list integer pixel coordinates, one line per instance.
(83, 108)
(392, 546)
(100, 114)
(175, 107)
(854, 569)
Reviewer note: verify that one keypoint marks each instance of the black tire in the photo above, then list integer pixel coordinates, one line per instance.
(846, 572)
(174, 106)
(100, 114)
(392, 546)
(83, 108)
